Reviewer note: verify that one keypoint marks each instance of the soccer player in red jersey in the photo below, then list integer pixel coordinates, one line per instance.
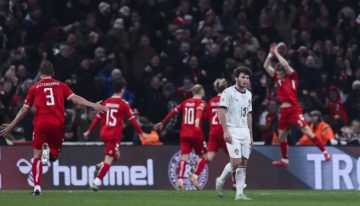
(47, 96)
(112, 130)
(191, 134)
(216, 139)
(290, 110)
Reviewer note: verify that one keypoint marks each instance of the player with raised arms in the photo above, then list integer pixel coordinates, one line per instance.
(290, 110)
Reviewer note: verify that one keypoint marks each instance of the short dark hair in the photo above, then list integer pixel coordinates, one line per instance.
(46, 68)
(118, 86)
(242, 69)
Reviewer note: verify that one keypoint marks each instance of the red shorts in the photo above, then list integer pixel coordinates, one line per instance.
(216, 141)
(291, 116)
(187, 144)
(111, 148)
(51, 134)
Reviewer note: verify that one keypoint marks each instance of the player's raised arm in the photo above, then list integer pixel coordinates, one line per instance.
(267, 64)
(283, 62)
(76, 99)
(19, 116)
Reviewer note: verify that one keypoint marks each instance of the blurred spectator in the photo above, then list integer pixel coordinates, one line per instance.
(335, 108)
(185, 91)
(87, 40)
(320, 128)
(350, 135)
(268, 122)
(353, 101)
(153, 104)
(168, 90)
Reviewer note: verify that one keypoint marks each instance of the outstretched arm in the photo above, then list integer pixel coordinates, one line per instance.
(284, 63)
(81, 101)
(19, 116)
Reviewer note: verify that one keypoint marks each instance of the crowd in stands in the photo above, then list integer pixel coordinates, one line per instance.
(161, 48)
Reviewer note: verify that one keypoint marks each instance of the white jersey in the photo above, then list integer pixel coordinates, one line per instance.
(238, 106)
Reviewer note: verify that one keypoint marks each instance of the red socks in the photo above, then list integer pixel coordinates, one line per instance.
(200, 166)
(103, 170)
(284, 150)
(36, 171)
(318, 143)
(181, 169)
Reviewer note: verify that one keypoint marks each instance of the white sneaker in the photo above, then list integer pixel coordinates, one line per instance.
(242, 197)
(37, 190)
(219, 187)
(45, 153)
(95, 185)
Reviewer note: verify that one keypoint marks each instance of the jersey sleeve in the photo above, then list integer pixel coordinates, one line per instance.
(179, 108)
(29, 101)
(225, 99)
(68, 93)
(200, 110)
(250, 103)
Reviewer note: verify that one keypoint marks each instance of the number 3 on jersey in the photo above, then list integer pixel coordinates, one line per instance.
(49, 96)
(110, 117)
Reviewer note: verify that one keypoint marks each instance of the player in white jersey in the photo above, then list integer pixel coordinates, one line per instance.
(236, 120)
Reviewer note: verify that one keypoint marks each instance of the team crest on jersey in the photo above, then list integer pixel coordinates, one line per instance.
(190, 166)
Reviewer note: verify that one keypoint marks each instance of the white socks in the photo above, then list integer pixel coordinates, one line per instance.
(97, 181)
(226, 172)
(240, 180)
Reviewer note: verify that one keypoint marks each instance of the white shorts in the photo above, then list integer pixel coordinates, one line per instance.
(240, 145)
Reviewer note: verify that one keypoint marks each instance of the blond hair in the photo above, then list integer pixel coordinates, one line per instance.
(220, 85)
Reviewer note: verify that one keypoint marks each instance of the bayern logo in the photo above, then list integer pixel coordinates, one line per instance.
(190, 166)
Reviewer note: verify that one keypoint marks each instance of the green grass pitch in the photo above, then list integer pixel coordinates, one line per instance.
(174, 198)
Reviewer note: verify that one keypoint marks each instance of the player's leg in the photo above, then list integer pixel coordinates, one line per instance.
(234, 153)
(55, 140)
(284, 126)
(112, 154)
(185, 149)
(241, 171)
(307, 131)
(211, 148)
(36, 170)
(39, 139)
(297, 118)
(284, 162)
(201, 150)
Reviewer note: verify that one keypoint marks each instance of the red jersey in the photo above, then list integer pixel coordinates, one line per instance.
(112, 123)
(191, 109)
(47, 96)
(211, 114)
(287, 88)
